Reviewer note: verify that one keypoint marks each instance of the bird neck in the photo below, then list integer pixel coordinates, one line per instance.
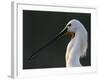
(73, 53)
(73, 60)
(78, 35)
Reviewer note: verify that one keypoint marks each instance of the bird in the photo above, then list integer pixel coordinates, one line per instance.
(76, 47)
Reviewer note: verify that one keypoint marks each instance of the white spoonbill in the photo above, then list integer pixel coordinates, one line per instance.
(77, 46)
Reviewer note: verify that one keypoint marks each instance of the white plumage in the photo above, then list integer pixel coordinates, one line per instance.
(78, 45)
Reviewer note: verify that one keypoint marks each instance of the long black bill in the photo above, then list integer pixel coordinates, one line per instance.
(59, 35)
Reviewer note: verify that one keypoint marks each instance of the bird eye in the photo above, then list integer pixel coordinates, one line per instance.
(69, 25)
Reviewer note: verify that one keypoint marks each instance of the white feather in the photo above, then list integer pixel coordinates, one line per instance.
(77, 47)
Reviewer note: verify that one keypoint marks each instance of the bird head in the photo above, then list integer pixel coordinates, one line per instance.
(75, 25)
(72, 27)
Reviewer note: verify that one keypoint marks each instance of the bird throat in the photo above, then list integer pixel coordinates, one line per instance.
(71, 34)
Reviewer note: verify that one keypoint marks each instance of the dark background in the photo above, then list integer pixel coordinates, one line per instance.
(39, 27)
